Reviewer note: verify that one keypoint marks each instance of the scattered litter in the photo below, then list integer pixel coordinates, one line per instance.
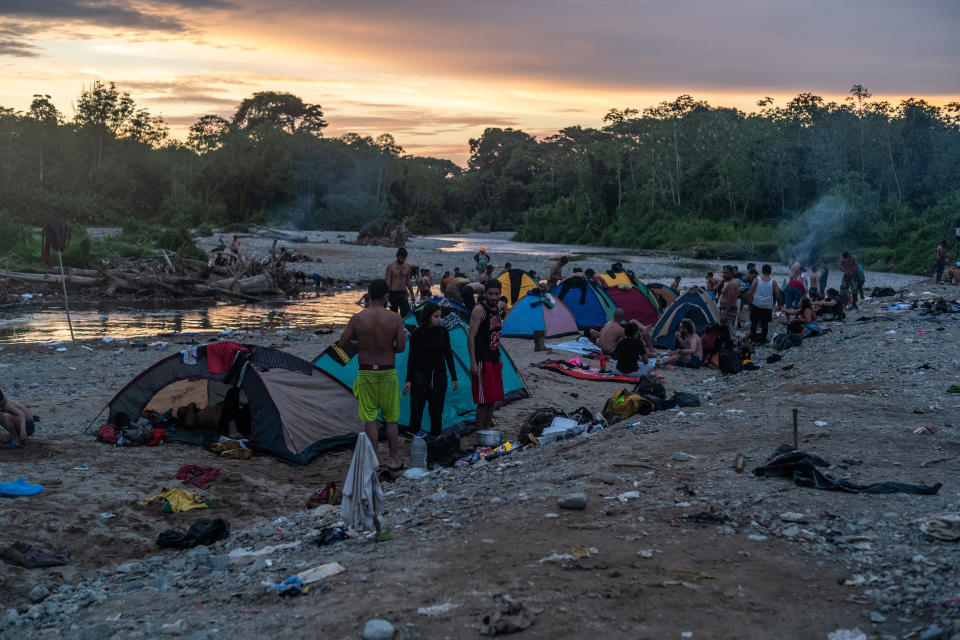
(292, 586)
(415, 473)
(793, 516)
(62, 349)
(107, 339)
(628, 495)
(551, 515)
(847, 634)
(83, 467)
(243, 553)
(927, 430)
(117, 352)
(107, 516)
(756, 538)
(83, 346)
(734, 410)
(509, 616)
(945, 526)
(645, 553)
(680, 583)
(820, 423)
(317, 574)
(437, 609)
(557, 557)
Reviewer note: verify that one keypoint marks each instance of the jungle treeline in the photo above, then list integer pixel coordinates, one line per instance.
(807, 178)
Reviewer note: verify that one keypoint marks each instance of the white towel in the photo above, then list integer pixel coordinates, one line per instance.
(362, 495)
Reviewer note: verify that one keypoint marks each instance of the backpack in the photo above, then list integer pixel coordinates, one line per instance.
(650, 386)
(715, 339)
(622, 405)
(729, 362)
(685, 399)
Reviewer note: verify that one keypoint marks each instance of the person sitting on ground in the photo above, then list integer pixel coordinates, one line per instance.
(833, 303)
(424, 284)
(629, 352)
(16, 420)
(444, 282)
(954, 273)
(808, 316)
(610, 334)
(675, 285)
(689, 351)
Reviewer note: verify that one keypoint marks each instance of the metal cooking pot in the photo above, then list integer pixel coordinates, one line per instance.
(489, 437)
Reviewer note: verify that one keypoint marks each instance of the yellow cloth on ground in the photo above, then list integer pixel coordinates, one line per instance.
(179, 500)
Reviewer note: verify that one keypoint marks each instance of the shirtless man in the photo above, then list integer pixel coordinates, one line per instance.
(729, 296)
(714, 283)
(398, 281)
(424, 284)
(488, 274)
(378, 336)
(15, 419)
(675, 285)
(556, 272)
(689, 351)
(954, 274)
(610, 334)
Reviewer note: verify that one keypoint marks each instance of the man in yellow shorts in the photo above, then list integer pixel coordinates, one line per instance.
(378, 336)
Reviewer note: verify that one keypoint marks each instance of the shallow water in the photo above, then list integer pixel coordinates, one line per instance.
(494, 245)
(50, 324)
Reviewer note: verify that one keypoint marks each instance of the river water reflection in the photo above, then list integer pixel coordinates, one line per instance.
(50, 324)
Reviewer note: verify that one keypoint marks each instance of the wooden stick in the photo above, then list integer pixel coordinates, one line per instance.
(796, 432)
(66, 301)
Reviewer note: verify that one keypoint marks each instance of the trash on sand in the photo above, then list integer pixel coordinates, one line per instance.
(245, 553)
(107, 516)
(927, 430)
(645, 553)
(317, 574)
(83, 346)
(437, 609)
(330, 535)
(628, 495)
(945, 526)
(756, 538)
(415, 473)
(292, 586)
(62, 349)
(83, 467)
(557, 557)
(820, 423)
(509, 616)
(847, 634)
(680, 583)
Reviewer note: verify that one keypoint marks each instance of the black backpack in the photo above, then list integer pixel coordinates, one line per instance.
(650, 386)
(729, 362)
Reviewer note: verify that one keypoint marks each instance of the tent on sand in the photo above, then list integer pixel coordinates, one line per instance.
(586, 301)
(538, 311)
(695, 304)
(515, 284)
(297, 411)
(459, 406)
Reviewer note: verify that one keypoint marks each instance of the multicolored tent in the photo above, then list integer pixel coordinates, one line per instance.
(538, 311)
(587, 302)
(665, 295)
(616, 279)
(636, 304)
(515, 284)
(695, 304)
(296, 410)
(459, 406)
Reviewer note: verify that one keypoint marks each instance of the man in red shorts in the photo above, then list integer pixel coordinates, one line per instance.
(486, 376)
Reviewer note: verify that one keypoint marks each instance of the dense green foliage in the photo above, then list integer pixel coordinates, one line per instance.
(809, 178)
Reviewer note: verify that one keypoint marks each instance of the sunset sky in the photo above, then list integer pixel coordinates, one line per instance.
(435, 73)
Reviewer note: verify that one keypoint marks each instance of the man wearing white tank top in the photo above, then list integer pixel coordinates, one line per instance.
(764, 295)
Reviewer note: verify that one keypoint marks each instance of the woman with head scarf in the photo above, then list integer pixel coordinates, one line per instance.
(429, 355)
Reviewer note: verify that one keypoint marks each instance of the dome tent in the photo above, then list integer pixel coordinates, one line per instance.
(515, 284)
(587, 302)
(297, 411)
(459, 406)
(695, 304)
(538, 311)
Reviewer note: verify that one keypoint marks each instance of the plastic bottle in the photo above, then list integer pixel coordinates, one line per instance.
(418, 451)
(739, 463)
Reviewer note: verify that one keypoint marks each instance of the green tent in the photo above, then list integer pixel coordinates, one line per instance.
(459, 406)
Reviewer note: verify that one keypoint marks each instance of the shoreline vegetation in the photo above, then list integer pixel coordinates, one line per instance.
(806, 179)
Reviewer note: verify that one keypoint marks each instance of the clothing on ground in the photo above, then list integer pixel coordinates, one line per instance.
(199, 477)
(200, 532)
(20, 487)
(31, 557)
(178, 500)
(377, 392)
(808, 470)
(362, 494)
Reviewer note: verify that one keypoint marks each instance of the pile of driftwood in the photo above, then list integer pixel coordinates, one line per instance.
(174, 278)
(382, 233)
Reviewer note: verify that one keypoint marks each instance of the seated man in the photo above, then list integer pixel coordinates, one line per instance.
(629, 352)
(833, 303)
(954, 273)
(610, 334)
(16, 420)
(689, 351)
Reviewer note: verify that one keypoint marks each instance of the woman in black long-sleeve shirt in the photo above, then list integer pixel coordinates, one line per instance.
(428, 356)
